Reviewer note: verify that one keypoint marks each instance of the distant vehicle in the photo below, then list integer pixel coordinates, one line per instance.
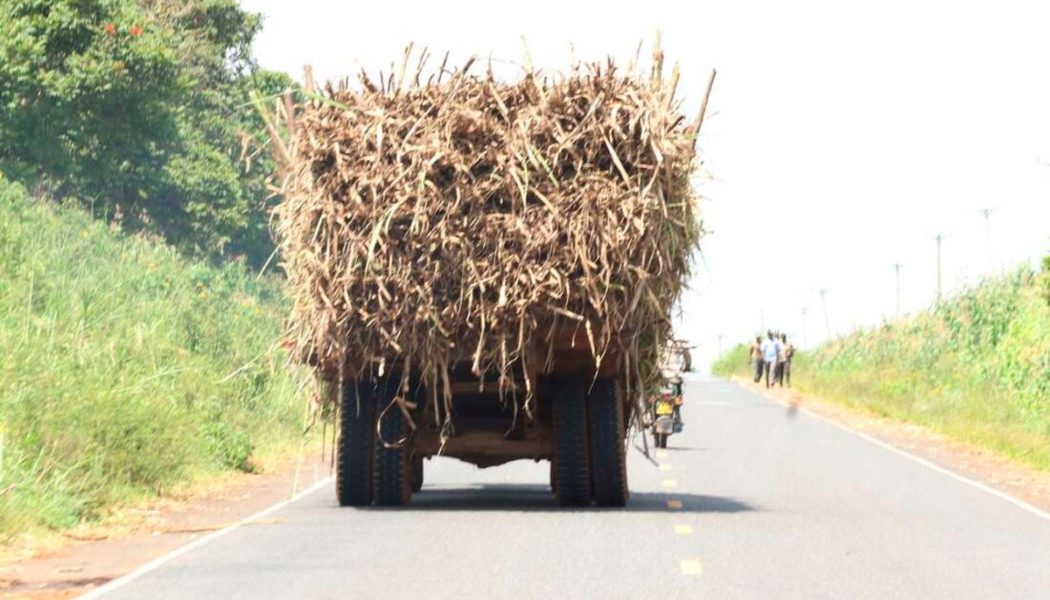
(677, 358)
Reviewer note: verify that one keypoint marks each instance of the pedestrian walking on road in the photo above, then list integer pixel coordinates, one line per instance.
(756, 357)
(770, 354)
(778, 368)
(787, 352)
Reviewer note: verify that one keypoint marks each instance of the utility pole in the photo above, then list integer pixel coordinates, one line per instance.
(939, 238)
(824, 303)
(987, 214)
(805, 338)
(719, 336)
(897, 271)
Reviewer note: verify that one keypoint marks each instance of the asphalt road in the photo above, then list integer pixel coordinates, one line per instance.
(751, 501)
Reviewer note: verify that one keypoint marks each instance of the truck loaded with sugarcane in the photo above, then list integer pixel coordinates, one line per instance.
(484, 269)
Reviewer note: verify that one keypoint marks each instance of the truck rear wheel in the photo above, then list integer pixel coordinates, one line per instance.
(393, 465)
(417, 473)
(353, 472)
(572, 477)
(606, 434)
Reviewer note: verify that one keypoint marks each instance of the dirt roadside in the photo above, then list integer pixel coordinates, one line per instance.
(69, 564)
(979, 464)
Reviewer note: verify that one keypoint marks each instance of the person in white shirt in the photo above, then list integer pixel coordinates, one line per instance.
(770, 355)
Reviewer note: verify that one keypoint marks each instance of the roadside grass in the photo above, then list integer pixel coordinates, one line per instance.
(126, 369)
(976, 368)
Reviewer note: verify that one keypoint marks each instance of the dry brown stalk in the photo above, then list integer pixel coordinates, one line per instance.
(430, 222)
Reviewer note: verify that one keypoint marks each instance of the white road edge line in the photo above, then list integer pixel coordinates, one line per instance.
(170, 556)
(922, 461)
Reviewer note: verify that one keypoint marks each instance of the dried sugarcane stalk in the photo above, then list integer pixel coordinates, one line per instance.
(465, 220)
(695, 128)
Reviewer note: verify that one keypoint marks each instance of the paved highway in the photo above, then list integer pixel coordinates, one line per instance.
(751, 501)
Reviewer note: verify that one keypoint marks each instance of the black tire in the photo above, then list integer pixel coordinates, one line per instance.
(606, 435)
(417, 473)
(572, 473)
(393, 466)
(353, 472)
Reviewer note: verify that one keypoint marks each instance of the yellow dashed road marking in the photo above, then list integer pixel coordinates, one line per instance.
(670, 483)
(691, 567)
(665, 467)
(661, 454)
(676, 504)
(683, 529)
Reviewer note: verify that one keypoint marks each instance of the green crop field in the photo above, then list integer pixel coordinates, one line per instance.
(125, 368)
(976, 367)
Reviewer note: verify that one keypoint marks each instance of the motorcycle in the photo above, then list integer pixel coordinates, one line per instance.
(663, 427)
(667, 418)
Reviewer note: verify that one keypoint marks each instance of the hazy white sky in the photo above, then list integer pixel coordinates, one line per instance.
(841, 135)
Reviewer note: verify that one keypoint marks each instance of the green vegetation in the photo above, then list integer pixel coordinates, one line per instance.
(976, 367)
(736, 361)
(1046, 278)
(125, 368)
(141, 111)
(131, 363)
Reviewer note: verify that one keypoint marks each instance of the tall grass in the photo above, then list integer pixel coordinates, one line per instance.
(976, 367)
(735, 361)
(124, 368)
(1046, 278)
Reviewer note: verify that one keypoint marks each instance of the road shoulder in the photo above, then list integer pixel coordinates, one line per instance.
(981, 465)
(72, 563)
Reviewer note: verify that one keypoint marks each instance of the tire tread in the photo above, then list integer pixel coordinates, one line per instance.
(606, 434)
(571, 451)
(393, 466)
(353, 475)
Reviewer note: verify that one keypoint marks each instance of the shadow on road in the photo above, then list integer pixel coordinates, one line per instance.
(538, 497)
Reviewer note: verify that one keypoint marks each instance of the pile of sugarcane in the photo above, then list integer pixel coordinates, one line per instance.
(462, 220)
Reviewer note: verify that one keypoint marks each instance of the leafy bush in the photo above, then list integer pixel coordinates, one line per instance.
(125, 368)
(141, 111)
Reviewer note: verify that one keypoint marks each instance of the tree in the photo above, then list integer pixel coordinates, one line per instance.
(83, 100)
(140, 109)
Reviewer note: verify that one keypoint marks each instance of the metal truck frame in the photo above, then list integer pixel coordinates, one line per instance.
(579, 422)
